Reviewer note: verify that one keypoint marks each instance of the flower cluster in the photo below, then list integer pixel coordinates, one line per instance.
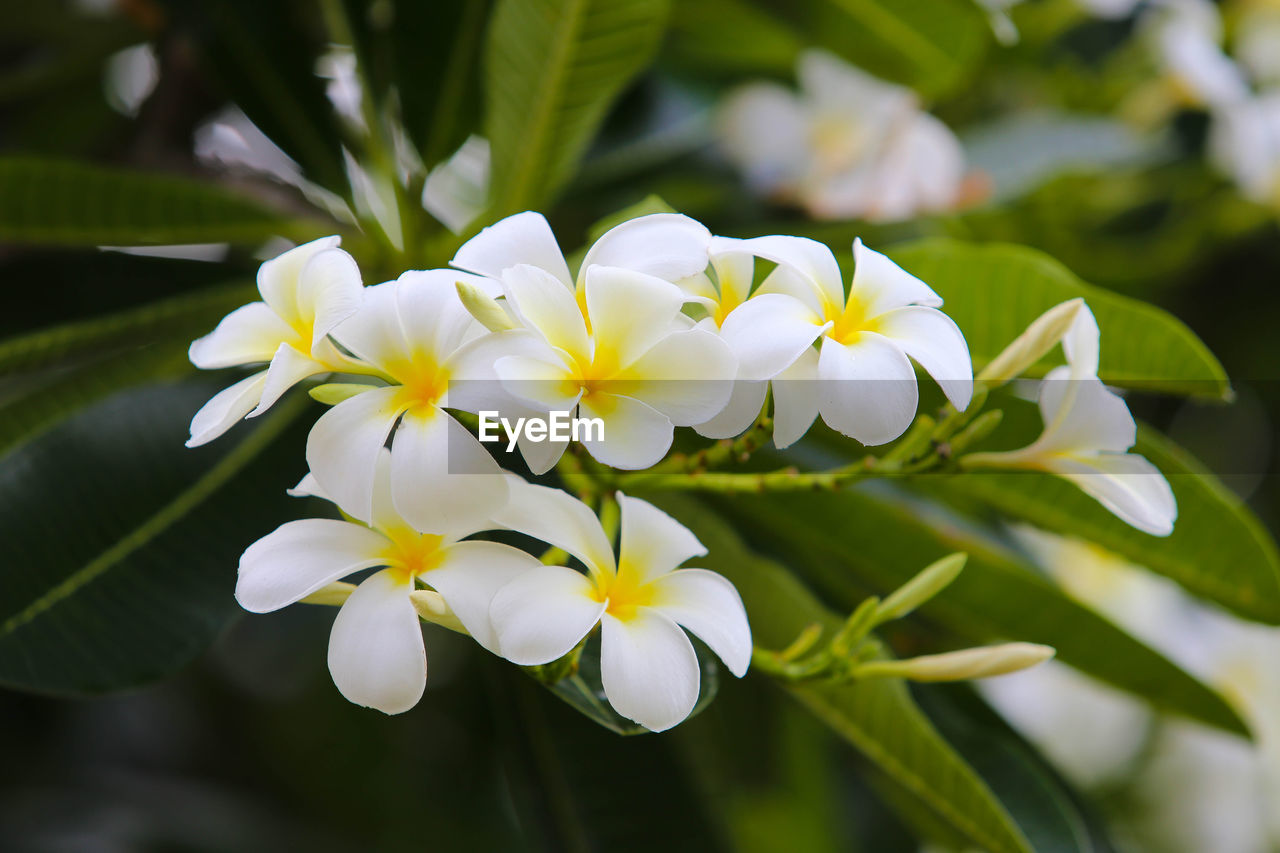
(662, 326)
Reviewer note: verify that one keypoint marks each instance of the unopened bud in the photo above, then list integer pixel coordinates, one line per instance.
(1044, 333)
(484, 308)
(924, 586)
(981, 662)
(431, 607)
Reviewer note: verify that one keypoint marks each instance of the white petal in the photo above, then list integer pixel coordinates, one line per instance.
(1083, 415)
(543, 613)
(376, 656)
(768, 333)
(636, 435)
(474, 381)
(831, 82)
(374, 332)
(809, 258)
(739, 413)
(735, 273)
(629, 312)
(648, 669)
(524, 238)
(666, 245)
(247, 335)
(225, 408)
(867, 391)
(1081, 344)
(300, 557)
(433, 320)
(785, 281)
(881, 285)
(544, 305)
(687, 376)
(559, 519)
(542, 384)
(653, 543)
(344, 445)
(308, 488)
(937, 344)
(708, 605)
(764, 130)
(329, 291)
(796, 399)
(540, 456)
(470, 575)
(442, 478)
(288, 368)
(1127, 485)
(278, 278)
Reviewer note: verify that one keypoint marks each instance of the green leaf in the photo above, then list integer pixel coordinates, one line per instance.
(67, 203)
(994, 291)
(877, 717)
(121, 544)
(849, 544)
(732, 37)
(552, 69)
(1218, 550)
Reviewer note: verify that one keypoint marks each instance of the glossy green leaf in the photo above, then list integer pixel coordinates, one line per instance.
(552, 68)
(849, 544)
(67, 203)
(877, 717)
(1219, 550)
(994, 291)
(121, 544)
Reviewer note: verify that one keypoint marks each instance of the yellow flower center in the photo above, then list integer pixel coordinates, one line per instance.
(624, 592)
(422, 381)
(411, 553)
(850, 322)
(732, 294)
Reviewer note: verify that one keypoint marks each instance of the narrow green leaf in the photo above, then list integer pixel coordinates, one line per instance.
(877, 717)
(67, 203)
(994, 291)
(552, 69)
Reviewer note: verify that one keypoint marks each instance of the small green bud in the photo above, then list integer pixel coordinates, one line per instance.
(980, 662)
(484, 308)
(924, 586)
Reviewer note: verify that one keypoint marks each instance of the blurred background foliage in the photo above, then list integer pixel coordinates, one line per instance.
(153, 152)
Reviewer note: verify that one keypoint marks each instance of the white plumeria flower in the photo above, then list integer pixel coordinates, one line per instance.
(1187, 37)
(641, 600)
(1088, 430)
(376, 654)
(860, 379)
(766, 332)
(305, 293)
(849, 145)
(1257, 42)
(1244, 143)
(668, 246)
(417, 333)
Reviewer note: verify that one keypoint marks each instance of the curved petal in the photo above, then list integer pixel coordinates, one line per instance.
(708, 605)
(470, 575)
(225, 408)
(544, 305)
(300, 557)
(764, 130)
(809, 258)
(795, 399)
(376, 656)
(653, 543)
(867, 390)
(629, 312)
(785, 281)
(768, 333)
(635, 435)
(687, 376)
(474, 380)
(937, 344)
(666, 245)
(880, 285)
(288, 368)
(524, 238)
(278, 278)
(247, 335)
(433, 320)
(374, 332)
(1081, 344)
(329, 291)
(543, 613)
(648, 668)
(557, 518)
(308, 488)
(1083, 415)
(543, 384)
(739, 413)
(442, 478)
(344, 445)
(1126, 484)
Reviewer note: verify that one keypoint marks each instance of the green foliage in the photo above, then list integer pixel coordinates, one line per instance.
(72, 204)
(993, 292)
(552, 68)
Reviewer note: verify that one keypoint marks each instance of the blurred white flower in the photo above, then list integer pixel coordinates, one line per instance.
(131, 77)
(1257, 42)
(1244, 144)
(641, 600)
(1186, 36)
(305, 293)
(339, 68)
(457, 190)
(376, 654)
(848, 145)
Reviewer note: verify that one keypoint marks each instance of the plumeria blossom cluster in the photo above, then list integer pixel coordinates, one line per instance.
(663, 325)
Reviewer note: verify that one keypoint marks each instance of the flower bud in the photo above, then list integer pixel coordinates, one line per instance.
(484, 308)
(920, 588)
(431, 607)
(981, 662)
(1044, 333)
